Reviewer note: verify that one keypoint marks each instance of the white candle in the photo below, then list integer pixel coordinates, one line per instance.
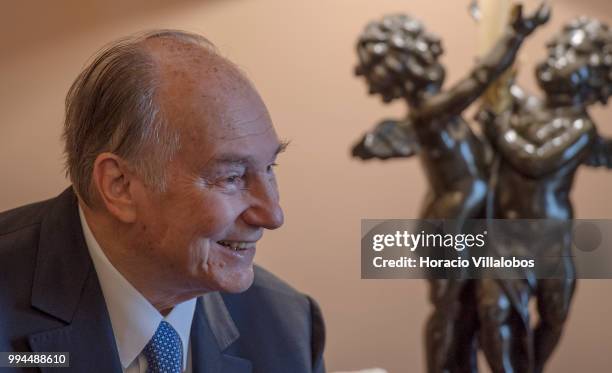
(494, 19)
(495, 16)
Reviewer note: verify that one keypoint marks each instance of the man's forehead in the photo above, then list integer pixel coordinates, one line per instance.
(200, 90)
(169, 50)
(250, 149)
(227, 120)
(185, 63)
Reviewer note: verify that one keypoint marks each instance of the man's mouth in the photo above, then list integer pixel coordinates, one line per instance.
(237, 245)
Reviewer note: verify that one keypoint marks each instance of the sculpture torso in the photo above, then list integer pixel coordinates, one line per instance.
(541, 152)
(451, 154)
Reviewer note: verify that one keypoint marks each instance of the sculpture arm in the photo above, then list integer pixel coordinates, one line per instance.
(601, 153)
(523, 100)
(535, 159)
(490, 67)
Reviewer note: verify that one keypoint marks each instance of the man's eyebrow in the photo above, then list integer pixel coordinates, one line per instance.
(242, 160)
(282, 147)
(230, 159)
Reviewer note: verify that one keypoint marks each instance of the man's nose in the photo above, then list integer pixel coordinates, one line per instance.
(264, 209)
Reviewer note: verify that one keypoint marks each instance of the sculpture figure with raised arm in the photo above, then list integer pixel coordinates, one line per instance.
(400, 60)
(539, 145)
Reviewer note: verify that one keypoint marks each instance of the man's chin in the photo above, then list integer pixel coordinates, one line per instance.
(237, 282)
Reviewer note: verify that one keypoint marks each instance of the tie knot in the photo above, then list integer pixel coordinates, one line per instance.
(164, 352)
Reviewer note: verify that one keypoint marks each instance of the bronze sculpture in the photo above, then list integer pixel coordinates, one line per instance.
(539, 146)
(399, 60)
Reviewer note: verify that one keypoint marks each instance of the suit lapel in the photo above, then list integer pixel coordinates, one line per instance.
(67, 288)
(88, 338)
(212, 332)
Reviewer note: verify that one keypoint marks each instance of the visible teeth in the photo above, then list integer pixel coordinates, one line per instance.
(236, 245)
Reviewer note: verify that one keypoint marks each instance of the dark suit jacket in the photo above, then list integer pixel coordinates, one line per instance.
(50, 300)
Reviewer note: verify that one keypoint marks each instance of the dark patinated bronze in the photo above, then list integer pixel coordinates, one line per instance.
(399, 60)
(539, 145)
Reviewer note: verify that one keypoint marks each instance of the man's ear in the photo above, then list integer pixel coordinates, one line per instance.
(112, 179)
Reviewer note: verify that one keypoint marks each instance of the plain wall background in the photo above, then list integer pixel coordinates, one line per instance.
(300, 54)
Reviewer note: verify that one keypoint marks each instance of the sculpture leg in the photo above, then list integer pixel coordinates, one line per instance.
(450, 333)
(445, 297)
(463, 357)
(504, 337)
(554, 299)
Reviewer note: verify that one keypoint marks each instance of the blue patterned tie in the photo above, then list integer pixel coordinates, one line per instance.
(164, 352)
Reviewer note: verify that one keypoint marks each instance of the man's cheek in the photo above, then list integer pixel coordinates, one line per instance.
(219, 221)
(195, 256)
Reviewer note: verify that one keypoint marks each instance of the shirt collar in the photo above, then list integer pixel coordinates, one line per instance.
(133, 318)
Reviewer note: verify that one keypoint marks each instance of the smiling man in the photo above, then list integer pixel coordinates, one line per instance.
(146, 263)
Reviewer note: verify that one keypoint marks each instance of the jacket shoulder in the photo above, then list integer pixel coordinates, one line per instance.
(276, 320)
(266, 281)
(270, 293)
(19, 240)
(23, 217)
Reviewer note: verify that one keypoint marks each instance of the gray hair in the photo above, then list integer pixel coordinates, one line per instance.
(111, 107)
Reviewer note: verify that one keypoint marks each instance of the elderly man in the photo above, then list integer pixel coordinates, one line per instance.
(146, 263)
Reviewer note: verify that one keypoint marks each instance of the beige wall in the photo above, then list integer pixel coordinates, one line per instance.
(300, 55)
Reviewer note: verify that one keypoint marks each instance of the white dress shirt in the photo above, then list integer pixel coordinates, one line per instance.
(133, 318)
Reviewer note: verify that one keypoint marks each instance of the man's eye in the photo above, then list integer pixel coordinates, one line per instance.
(235, 179)
(271, 167)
